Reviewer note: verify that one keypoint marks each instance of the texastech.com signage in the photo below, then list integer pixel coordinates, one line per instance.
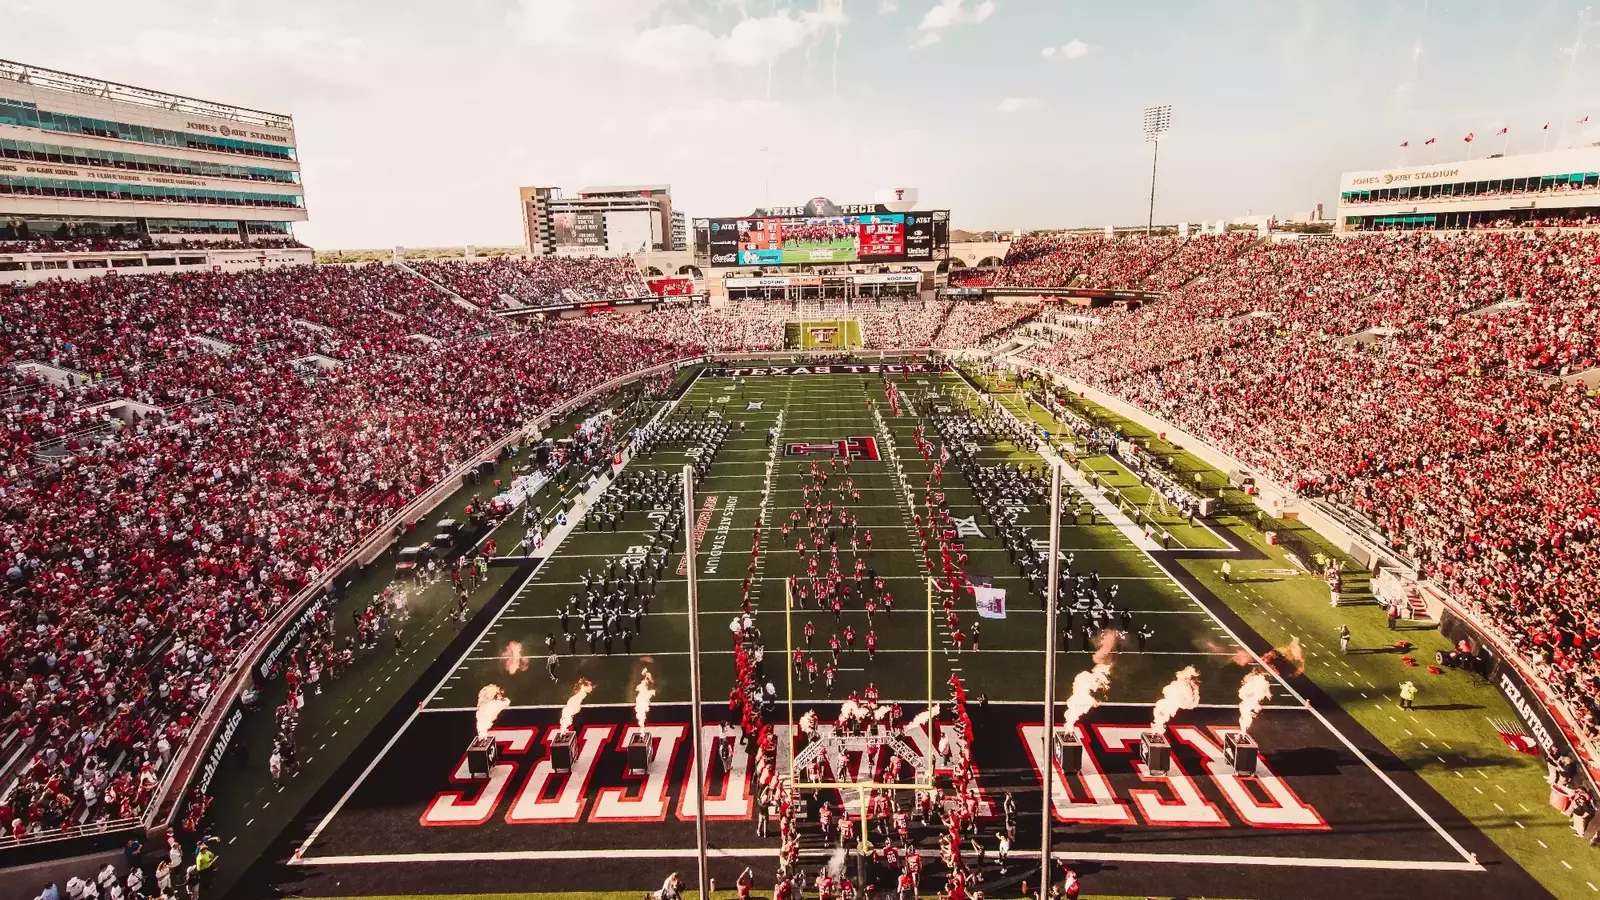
(831, 369)
(1530, 711)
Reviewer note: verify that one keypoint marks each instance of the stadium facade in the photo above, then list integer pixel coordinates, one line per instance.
(1501, 191)
(84, 159)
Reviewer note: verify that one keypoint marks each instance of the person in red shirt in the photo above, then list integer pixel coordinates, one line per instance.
(872, 646)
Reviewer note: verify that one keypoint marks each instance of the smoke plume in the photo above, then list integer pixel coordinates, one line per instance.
(921, 719)
(1253, 694)
(641, 697)
(1106, 645)
(513, 659)
(570, 711)
(1290, 660)
(1085, 685)
(491, 703)
(1183, 693)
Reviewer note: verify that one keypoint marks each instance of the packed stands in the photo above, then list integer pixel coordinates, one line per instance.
(976, 324)
(536, 282)
(974, 277)
(1412, 379)
(1052, 262)
(899, 323)
(250, 474)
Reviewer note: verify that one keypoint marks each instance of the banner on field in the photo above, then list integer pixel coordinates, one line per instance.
(990, 599)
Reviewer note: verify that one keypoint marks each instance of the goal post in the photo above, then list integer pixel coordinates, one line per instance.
(872, 738)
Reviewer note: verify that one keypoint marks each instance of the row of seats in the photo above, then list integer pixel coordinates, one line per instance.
(539, 281)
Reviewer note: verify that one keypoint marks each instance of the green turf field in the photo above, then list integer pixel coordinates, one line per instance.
(824, 334)
(839, 250)
(1009, 667)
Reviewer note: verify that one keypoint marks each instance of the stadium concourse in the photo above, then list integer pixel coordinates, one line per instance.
(231, 435)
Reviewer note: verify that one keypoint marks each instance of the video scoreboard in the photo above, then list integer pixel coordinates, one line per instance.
(821, 232)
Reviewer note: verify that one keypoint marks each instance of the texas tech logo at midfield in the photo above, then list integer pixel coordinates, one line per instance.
(852, 447)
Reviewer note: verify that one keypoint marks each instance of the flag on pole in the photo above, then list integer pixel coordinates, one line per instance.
(1429, 141)
(1546, 127)
(1469, 136)
(990, 599)
(1583, 121)
(1502, 131)
(1515, 736)
(1405, 143)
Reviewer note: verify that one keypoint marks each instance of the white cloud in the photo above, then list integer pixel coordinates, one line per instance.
(888, 7)
(1073, 49)
(951, 14)
(643, 33)
(1018, 104)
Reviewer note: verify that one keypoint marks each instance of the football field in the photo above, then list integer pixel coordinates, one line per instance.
(1328, 812)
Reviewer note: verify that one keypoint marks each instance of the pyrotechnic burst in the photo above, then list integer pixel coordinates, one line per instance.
(1183, 693)
(1085, 685)
(920, 720)
(1253, 694)
(1290, 660)
(513, 659)
(570, 711)
(491, 703)
(641, 697)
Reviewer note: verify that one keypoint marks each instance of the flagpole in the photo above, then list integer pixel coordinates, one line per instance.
(695, 723)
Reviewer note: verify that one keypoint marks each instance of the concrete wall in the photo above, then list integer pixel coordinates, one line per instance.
(973, 252)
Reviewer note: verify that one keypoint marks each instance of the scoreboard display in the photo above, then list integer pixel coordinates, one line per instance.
(817, 234)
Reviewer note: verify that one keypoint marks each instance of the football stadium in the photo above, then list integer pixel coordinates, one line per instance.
(821, 550)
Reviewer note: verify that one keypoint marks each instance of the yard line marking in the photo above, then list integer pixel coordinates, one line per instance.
(770, 852)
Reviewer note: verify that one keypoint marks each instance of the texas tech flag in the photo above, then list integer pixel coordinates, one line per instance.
(853, 447)
(1515, 736)
(991, 600)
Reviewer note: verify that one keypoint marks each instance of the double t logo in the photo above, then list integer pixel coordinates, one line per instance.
(853, 447)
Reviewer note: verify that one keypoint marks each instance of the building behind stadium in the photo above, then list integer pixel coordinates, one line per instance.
(1556, 187)
(611, 220)
(96, 175)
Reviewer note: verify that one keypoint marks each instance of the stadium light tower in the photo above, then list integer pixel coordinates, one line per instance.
(1157, 121)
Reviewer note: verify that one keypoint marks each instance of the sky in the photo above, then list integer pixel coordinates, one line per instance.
(417, 121)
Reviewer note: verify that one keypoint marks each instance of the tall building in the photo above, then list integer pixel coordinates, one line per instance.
(84, 159)
(680, 231)
(599, 221)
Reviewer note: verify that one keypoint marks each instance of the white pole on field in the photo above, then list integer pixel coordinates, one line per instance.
(1050, 596)
(694, 682)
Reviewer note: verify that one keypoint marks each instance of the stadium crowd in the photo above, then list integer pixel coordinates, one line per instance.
(535, 282)
(982, 324)
(139, 558)
(1412, 379)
